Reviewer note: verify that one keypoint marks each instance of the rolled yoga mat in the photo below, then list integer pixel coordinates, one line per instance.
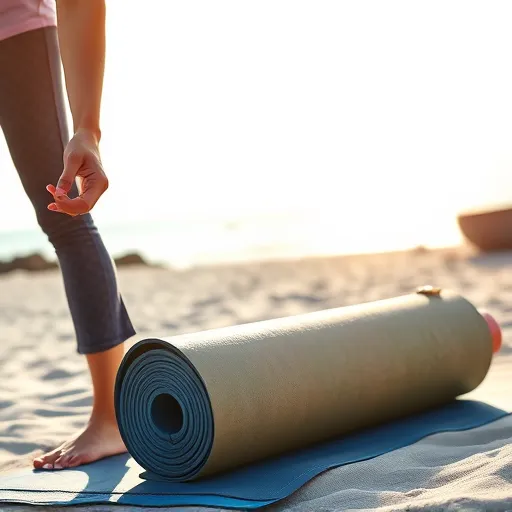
(199, 404)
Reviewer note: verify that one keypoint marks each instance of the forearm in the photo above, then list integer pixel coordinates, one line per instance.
(81, 29)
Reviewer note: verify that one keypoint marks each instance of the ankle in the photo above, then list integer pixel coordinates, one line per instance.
(101, 415)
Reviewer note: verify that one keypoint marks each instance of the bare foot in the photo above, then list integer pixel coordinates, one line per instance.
(98, 440)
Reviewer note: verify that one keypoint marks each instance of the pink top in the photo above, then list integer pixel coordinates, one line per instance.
(17, 16)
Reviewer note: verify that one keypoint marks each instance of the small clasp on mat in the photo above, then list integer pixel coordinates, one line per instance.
(429, 290)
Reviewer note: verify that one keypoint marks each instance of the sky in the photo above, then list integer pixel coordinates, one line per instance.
(364, 112)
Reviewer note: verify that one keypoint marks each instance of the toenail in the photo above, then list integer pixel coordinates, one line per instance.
(57, 466)
(47, 466)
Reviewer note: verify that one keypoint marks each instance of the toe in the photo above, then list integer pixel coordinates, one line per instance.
(63, 461)
(38, 462)
(47, 461)
(76, 460)
(73, 461)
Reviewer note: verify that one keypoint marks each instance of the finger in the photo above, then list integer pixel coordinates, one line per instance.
(91, 195)
(75, 206)
(57, 194)
(72, 163)
(84, 202)
(54, 208)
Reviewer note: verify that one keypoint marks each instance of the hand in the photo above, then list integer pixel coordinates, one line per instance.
(81, 162)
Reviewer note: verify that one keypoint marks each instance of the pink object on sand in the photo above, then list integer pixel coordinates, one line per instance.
(495, 330)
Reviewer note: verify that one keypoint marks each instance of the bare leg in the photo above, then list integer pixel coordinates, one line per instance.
(101, 437)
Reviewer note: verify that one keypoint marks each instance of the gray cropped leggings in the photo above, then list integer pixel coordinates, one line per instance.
(33, 120)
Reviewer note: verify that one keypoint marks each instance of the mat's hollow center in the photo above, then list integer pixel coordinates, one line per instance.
(167, 413)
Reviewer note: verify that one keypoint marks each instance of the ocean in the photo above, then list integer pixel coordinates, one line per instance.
(184, 244)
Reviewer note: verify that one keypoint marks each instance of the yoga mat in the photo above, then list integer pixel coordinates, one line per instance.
(117, 480)
(200, 404)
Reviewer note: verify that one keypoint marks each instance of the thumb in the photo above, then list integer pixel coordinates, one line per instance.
(72, 164)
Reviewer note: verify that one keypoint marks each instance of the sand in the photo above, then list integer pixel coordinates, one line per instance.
(45, 392)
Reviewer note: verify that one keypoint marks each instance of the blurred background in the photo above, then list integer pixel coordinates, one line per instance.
(246, 130)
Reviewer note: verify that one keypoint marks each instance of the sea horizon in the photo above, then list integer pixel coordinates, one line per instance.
(184, 244)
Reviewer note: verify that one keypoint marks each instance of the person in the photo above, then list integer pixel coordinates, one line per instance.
(64, 178)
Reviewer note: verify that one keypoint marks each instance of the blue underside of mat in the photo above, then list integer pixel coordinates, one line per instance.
(117, 479)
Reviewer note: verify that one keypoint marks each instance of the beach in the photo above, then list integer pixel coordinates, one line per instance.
(45, 392)
(263, 160)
